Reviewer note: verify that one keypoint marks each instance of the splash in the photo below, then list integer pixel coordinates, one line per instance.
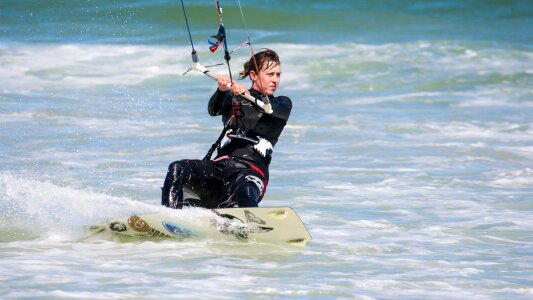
(38, 209)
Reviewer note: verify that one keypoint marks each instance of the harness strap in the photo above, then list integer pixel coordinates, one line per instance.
(207, 157)
(236, 116)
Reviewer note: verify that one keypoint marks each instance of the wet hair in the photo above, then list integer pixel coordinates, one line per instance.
(264, 59)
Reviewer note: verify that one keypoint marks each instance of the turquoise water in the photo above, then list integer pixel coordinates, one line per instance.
(408, 155)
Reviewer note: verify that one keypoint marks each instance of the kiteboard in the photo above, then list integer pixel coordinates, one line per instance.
(262, 224)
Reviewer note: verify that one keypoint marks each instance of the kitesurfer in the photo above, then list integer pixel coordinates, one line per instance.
(238, 176)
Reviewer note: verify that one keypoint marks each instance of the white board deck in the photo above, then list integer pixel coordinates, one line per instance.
(263, 224)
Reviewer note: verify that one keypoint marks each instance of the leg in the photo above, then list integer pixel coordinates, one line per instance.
(247, 194)
(172, 192)
(247, 189)
(199, 176)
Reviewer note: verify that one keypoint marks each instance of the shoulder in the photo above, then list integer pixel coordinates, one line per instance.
(284, 100)
(282, 107)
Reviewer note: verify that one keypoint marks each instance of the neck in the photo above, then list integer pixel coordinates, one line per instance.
(253, 89)
(256, 91)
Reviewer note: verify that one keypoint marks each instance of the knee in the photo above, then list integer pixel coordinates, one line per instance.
(247, 195)
(178, 167)
(175, 166)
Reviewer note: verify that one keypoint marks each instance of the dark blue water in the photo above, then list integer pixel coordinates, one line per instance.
(310, 22)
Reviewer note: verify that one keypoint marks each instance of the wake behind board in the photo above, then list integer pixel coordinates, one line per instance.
(262, 224)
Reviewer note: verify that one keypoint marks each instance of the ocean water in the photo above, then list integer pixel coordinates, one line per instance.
(408, 155)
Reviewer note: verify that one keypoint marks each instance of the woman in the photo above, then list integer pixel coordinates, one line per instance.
(239, 173)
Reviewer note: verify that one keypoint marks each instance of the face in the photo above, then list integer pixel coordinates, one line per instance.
(268, 79)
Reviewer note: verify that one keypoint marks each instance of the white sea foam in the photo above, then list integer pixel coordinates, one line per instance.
(514, 178)
(379, 224)
(32, 68)
(47, 204)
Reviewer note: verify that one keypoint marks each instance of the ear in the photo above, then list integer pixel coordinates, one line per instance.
(253, 75)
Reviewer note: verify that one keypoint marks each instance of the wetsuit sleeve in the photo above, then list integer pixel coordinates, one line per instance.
(218, 104)
(282, 107)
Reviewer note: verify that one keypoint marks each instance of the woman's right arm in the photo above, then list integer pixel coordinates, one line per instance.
(216, 105)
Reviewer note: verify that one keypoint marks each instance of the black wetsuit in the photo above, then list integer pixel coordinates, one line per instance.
(239, 173)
